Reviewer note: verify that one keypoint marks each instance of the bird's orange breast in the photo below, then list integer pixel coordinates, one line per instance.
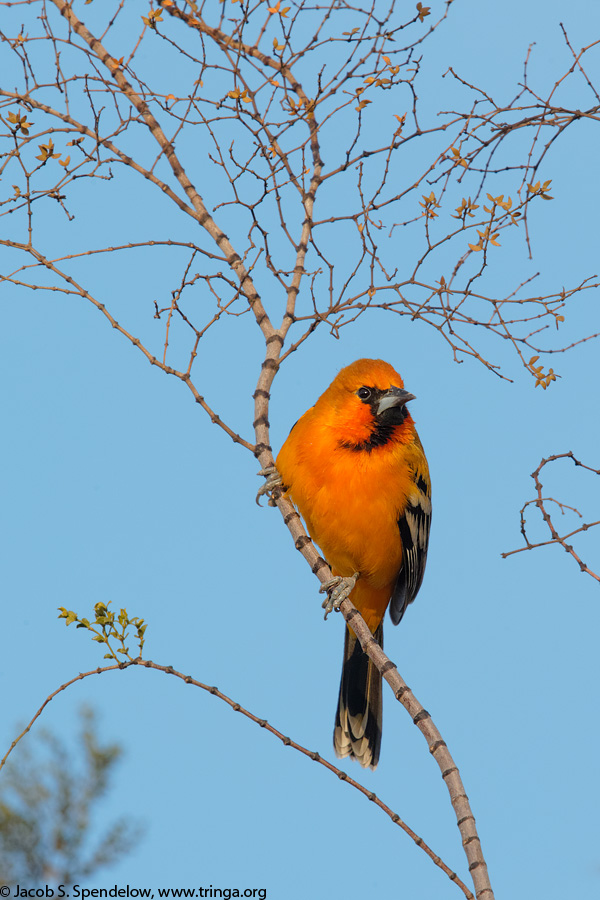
(351, 500)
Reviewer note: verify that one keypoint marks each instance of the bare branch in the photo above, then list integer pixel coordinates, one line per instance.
(542, 503)
(286, 741)
(421, 718)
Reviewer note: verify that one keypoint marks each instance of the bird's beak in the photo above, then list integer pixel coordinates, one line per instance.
(394, 397)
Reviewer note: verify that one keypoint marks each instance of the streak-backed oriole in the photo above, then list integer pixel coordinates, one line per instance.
(355, 469)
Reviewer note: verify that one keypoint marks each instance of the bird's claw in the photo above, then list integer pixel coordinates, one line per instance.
(273, 481)
(337, 589)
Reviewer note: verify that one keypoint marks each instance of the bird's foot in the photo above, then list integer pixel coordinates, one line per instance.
(273, 481)
(337, 589)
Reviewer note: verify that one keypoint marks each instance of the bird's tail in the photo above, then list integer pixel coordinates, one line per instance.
(357, 731)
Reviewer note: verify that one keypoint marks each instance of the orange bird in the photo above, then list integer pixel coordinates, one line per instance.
(354, 467)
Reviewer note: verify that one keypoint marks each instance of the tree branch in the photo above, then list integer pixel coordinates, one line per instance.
(286, 741)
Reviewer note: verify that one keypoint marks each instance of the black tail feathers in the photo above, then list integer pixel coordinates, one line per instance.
(357, 731)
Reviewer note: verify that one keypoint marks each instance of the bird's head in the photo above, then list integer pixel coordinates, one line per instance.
(369, 403)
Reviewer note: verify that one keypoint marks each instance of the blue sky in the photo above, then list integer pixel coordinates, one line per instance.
(118, 487)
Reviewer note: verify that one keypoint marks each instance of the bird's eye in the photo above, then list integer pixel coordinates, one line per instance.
(364, 393)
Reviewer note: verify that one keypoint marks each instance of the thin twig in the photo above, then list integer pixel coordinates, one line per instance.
(288, 742)
(541, 503)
